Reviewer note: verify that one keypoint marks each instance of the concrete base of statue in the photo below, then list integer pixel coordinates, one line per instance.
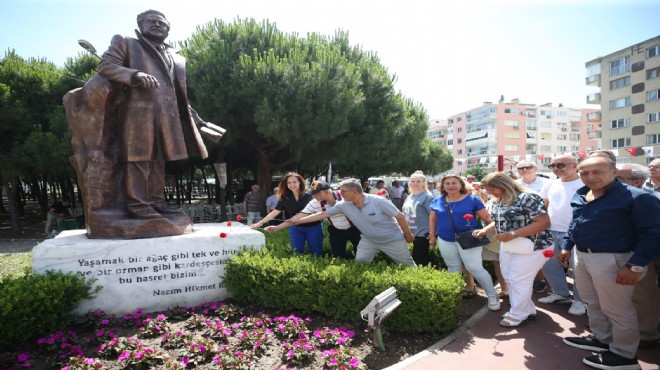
(154, 273)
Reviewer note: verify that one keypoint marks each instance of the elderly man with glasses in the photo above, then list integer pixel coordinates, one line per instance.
(528, 178)
(383, 226)
(654, 178)
(557, 198)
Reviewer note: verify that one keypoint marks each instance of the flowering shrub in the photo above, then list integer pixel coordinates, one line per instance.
(175, 339)
(196, 322)
(179, 312)
(334, 337)
(134, 318)
(254, 340)
(228, 358)
(298, 352)
(142, 357)
(12, 361)
(118, 345)
(83, 363)
(60, 346)
(290, 327)
(154, 327)
(341, 358)
(260, 320)
(198, 351)
(218, 330)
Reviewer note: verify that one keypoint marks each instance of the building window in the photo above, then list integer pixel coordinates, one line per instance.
(450, 142)
(621, 143)
(653, 139)
(620, 103)
(460, 151)
(511, 148)
(508, 122)
(459, 129)
(620, 123)
(562, 149)
(619, 83)
(510, 110)
(652, 73)
(619, 66)
(653, 52)
(545, 124)
(654, 117)
(575, 137)
(652, 95)
(546, 148)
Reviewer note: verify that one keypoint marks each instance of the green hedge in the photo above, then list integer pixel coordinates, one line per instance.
(34, 305)
(275, 278)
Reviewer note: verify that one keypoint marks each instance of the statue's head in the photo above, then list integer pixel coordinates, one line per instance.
(153, 25)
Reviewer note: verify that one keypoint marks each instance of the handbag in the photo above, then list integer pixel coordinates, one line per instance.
(519, 245)
(465, 238)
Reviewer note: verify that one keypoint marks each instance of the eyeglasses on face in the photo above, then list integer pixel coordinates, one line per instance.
(654, 166)
(559, 165)
(526, 168)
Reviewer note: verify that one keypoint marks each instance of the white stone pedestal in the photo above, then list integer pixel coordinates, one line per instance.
(155, 273)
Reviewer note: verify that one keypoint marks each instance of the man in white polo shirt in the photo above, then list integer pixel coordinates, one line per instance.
(341, 230)
(383, 226)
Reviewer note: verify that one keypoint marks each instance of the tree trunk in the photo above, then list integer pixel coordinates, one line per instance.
(265, 174)
(12, 194)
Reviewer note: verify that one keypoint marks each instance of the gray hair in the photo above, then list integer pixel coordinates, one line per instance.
(353, 184)
(603, 153)
(637, 171)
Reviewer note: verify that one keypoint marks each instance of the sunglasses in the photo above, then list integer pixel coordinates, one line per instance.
(526, 168)
(558, 165)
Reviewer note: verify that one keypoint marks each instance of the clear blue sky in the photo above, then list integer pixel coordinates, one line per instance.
(533, 50)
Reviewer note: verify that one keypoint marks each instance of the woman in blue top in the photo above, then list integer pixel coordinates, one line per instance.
(457, 202)
(291, 200)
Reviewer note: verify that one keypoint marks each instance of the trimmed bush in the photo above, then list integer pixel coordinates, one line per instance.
(342, 288)
(34, 305)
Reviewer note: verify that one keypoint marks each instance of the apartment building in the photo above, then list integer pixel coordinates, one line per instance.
(629, 82)
(517, 131)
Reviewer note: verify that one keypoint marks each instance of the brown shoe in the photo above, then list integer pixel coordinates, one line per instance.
(648, 343)
(143, 212)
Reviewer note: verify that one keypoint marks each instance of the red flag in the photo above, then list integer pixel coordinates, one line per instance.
(539, 157)
(582, 154)
(631, 150)
(474, 160)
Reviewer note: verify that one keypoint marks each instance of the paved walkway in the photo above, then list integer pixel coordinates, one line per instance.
(482, 344)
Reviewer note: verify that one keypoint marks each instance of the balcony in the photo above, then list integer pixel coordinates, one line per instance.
(593, 117)
(623, 68)
(593, 98)
(593, 80)
(594, 135)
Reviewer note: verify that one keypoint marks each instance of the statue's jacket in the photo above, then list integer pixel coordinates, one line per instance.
(155, 124)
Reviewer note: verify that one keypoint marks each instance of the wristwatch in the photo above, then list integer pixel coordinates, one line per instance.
(635, 268)
(513, 233)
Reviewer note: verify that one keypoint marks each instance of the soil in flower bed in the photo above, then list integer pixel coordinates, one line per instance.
(196, 341)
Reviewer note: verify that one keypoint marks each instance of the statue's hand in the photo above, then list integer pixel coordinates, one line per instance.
(146, 80)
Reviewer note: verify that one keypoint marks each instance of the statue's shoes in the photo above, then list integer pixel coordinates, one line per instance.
(144, 213)
(166, 210)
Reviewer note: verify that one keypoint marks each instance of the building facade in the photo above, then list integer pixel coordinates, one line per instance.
(516, 131)
(629, 82)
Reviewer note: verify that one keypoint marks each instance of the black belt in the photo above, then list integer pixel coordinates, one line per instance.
(589, 250)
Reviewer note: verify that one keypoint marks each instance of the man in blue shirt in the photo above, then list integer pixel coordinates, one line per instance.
(616, 231)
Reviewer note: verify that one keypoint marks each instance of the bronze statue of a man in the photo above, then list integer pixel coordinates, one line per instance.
(156, 123)
(126, 123)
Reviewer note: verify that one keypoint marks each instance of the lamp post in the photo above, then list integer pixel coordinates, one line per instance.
(89, 47)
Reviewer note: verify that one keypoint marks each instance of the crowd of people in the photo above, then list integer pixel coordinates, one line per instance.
(596, 222)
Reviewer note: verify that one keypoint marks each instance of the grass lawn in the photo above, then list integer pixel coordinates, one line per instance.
(14, 264)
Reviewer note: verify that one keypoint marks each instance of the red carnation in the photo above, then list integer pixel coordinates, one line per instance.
(239, 218)
(468, 216)
(228, 223)
(223, 235)
(548, 253)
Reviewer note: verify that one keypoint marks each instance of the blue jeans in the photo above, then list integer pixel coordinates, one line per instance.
(554, 271)
(313, 235)
(455, 256)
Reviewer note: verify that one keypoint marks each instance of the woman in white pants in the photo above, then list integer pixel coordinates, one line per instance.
(518, 213)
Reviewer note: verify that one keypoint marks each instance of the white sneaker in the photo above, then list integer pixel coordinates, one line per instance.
(555, 298)
(493, 303)
(578, 308)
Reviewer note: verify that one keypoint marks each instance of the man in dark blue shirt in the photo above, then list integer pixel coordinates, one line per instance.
(616, 231)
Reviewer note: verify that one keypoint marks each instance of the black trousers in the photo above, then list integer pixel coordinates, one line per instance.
(339, 238)
(420, 252)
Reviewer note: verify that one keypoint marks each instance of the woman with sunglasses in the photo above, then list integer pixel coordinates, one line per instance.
(518, 213)
(293, 199)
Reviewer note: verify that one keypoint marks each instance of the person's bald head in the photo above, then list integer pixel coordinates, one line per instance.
(598, 173)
